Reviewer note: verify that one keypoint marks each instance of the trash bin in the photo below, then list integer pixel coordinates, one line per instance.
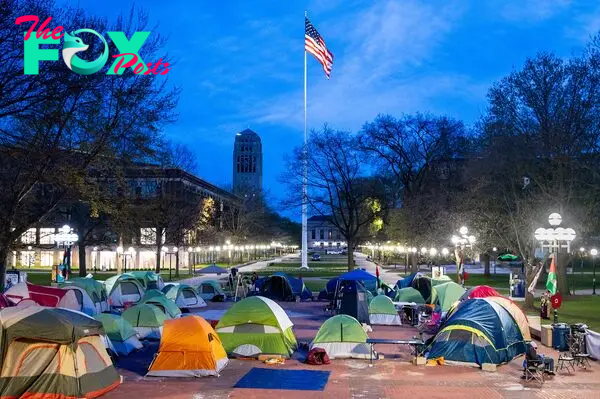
(560, 336)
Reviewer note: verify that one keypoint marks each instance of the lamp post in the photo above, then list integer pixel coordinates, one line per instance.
(124, 254)
(553, 237)
(67, 238)
(461, 241)
(594, 252)
(166, 251)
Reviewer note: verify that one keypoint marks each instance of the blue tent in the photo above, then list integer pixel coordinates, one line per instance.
(354, 275)
(479, 331)
(406, 281)
(212, 269)
(282, 287)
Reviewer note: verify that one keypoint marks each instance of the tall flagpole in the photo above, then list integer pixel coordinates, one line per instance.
(305, 177)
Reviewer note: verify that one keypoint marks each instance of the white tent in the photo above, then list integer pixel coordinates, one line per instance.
(86, 305)
(342, 337)
(185, 297)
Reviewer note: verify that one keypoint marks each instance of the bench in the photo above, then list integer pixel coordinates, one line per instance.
(417, 344)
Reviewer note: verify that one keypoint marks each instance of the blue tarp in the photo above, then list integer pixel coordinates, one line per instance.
(406, 281)
(490, 320)
(212, 269)
(301, 380)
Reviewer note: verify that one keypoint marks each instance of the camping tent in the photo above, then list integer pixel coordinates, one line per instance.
(4, 302)
(120, 332)
(86, 305)
(44, 296)
(148, 280)
(382, 311)
(516, 313)
(352, 299)
(480, 291)
(342, 337)
(146, 319)
(166, 305)
(122, 289)
(53, 353)
(479, 331)
(282, 287)
(409, 294)
(152, 293)
(447, 294)
(210, 290)
(184, 296)
(212, 269)
(94, 289)
(424, 285)
(355, 275)
(407, 281)
(256, 325)
(189, 347)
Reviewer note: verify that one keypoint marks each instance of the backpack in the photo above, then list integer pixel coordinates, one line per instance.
(317, 356)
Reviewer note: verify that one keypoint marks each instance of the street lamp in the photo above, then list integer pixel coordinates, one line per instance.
(461, 242)
(594, 252)
(67, 238)
(553, 236)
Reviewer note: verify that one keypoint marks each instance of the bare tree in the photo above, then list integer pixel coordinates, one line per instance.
(55, 126)
(337, 184)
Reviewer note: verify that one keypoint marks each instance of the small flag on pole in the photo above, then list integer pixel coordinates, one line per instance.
(314, 44)
(377, 274)
(551, 282)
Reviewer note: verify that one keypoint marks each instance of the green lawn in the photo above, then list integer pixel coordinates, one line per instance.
(316, 269)
(316, 285)
(576, 309)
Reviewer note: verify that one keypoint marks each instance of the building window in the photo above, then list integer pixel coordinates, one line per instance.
(330, 235)
(322, 234)
(313, 234)
(46, 258)
(47, 236)
(148, 236)
(28, 237)
(338, 235)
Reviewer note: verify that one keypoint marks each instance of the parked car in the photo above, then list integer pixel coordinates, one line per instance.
(316, 257)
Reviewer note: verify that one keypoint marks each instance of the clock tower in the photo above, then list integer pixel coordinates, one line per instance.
(247, 164)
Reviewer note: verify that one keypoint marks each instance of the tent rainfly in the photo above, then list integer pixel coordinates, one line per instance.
(256, 325)
(120, 332)
(189, 347)
(146, 319)
(383, 312)
(184, 296)
(342, 337)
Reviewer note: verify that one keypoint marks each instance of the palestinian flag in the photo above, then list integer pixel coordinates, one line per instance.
(551, 282)
(377, 275)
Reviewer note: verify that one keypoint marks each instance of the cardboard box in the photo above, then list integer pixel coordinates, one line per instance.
(419, 361)
(491, 367)
(546, 335)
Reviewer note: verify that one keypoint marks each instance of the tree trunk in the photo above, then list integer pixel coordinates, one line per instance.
(561, 273)
(414, 268)
(486, 267)
(82, 264)
(3, 265)
(350, 255)
(177, 264)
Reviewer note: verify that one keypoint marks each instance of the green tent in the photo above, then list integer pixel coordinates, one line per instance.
(409, 294)
(146, 319)
(210, 289)
(440, 280)
(152, 293)
(94, 288)
(342, 336)
(122, 289)
(148, 280)
(184, 296)
(120, 332)
(383, 312)
(447, 294)
(256, 325)
(508, 258)
(166, 305)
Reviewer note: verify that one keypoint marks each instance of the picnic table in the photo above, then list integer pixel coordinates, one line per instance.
(415, 343)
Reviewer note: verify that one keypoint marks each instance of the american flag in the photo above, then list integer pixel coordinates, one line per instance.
(314, 44)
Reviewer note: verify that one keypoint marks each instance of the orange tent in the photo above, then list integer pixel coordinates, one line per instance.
(189, 347)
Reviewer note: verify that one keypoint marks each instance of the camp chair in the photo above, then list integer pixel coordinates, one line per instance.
(565, 361)
(431, 325)
(577, 349)
(534, 370)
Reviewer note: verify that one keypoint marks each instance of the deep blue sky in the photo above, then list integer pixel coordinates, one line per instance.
(240, 63)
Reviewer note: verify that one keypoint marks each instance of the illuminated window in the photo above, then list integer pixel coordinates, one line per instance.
(28, 237)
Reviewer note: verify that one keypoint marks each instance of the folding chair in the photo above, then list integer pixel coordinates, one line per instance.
(582, 360)
(535, 370)
(566, 361)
